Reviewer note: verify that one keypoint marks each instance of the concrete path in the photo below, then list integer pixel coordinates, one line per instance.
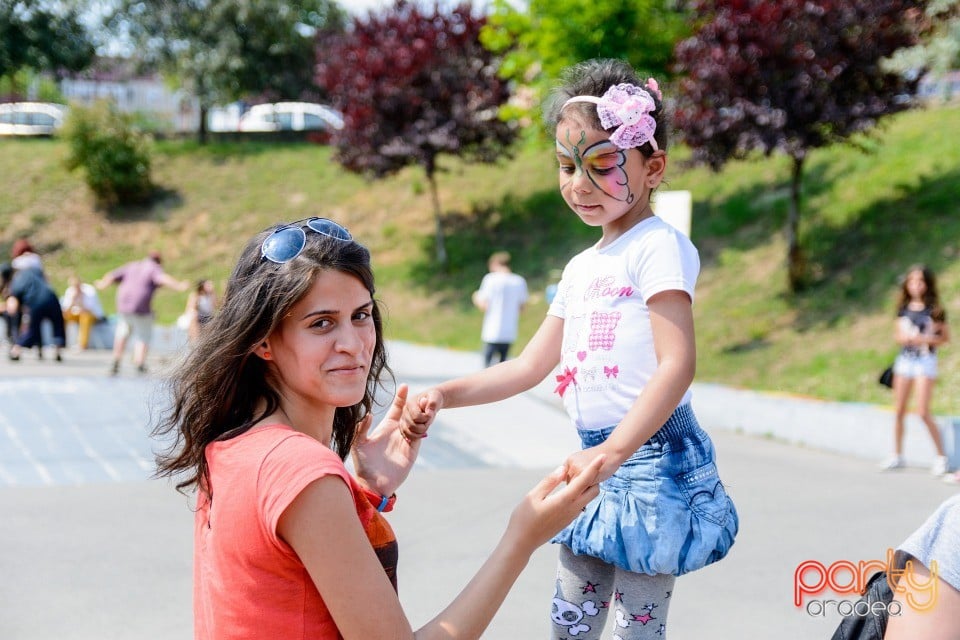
(92, 548)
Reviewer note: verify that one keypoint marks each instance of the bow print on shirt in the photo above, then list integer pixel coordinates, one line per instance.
(564, 379)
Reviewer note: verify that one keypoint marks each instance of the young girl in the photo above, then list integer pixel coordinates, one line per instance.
(921, 327)
(201, 303)
(276, 392)
(621, 330)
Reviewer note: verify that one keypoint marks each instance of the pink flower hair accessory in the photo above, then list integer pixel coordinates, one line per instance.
(627, 107)
(654, 88)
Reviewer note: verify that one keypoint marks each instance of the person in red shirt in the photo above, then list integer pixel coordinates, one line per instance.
(275, 394)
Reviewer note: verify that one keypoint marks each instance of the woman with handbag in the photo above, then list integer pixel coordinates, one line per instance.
(921, 328)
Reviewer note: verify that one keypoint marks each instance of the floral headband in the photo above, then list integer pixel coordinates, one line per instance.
(627, 107)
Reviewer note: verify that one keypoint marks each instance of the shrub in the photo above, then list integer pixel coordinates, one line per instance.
(113, 154)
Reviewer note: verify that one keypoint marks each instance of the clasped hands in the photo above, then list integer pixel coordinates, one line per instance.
(419, 413)
(383, 460)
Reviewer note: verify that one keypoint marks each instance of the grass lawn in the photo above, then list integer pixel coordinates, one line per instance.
(866, 218)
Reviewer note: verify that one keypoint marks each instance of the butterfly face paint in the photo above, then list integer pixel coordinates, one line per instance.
(602, 162)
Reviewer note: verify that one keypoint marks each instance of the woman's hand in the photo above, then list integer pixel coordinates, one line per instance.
(419, 413)
(544, 512)
(383, 460)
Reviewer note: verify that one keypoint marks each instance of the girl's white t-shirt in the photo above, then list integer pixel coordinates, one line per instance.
(608, 355)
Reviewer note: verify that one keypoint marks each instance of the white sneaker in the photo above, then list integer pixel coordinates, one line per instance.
(893, 462)
(939, 466)
(952, 478)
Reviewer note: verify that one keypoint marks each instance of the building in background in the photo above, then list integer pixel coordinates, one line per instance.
(146, 94)
(944, 88)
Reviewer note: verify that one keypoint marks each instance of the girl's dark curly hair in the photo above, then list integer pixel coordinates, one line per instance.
(215, 391)
(593, 78)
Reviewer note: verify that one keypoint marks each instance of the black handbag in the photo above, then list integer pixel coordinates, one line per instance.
(886, 378)
(873, 625)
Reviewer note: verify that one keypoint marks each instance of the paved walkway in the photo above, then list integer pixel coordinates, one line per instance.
(95, 549)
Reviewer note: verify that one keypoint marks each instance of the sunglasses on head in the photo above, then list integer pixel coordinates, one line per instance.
(286, 242)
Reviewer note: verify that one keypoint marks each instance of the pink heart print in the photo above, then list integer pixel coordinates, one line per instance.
(581, 355)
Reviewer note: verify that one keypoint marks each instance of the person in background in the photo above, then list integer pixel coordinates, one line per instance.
(22, 256)
(81, 304)
(501, 297)
(27, 290)
(550, 291)
(201, 303)
(920, 330)
(265, 408)
(137, 282)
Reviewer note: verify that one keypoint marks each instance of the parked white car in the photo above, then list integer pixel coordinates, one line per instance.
(31, 118)
(291, 116)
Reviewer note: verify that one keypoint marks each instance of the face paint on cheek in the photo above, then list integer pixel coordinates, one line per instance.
(611, 180)
(603, 163)
(573, 153)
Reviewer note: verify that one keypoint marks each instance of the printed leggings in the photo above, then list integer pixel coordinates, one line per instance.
(589, 588)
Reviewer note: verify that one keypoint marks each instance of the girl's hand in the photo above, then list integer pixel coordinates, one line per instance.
(544, 512)
(419, 413)
(577, 462)
(383, 461)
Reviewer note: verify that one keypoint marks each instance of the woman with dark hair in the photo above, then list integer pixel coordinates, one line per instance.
(921, 329)
(201, 304)
(276, 392)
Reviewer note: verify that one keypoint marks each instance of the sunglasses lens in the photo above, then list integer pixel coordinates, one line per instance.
(329, 228)
(284, 245)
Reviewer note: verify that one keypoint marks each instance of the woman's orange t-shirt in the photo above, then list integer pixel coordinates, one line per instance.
(248, 583)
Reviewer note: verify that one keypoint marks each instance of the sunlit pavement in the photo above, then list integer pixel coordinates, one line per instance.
(96, 549)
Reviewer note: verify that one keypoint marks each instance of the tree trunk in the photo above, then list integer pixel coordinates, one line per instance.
(202, 129)
(796, 261)
(437, 215)
(204, 99)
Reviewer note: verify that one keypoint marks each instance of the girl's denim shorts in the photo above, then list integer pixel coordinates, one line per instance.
(908, 365)
(664, 510)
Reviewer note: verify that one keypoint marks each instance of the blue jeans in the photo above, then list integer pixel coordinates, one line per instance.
(664, 510)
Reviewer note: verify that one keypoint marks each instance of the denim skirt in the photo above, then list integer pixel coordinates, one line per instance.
(664, 510)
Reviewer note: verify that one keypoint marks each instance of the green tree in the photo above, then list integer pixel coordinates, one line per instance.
(112, 154)
(223, 50)
(42, 36)
(538, 42)
(939, 52)
(41, 87)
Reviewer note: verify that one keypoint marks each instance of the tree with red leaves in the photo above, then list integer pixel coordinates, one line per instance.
(413, 84)
(790, 76)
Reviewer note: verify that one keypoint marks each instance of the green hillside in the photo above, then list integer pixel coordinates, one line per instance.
(866, 218)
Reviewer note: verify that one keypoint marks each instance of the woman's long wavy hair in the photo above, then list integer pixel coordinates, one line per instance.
(931, 297)
(221, 388)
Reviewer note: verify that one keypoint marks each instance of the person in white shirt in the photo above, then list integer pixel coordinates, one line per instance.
(81, 304)
(501, 297)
